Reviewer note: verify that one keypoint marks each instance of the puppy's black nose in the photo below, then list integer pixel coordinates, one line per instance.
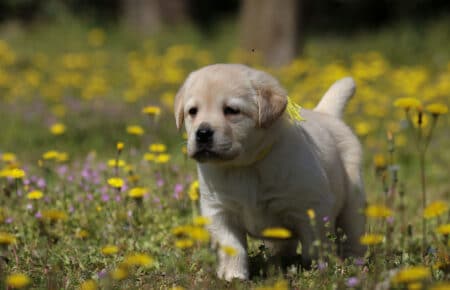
(204, 134)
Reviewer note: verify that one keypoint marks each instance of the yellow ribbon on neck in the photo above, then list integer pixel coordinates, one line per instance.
(293, 110)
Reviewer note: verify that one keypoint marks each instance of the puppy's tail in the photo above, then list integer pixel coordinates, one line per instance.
(337, 96)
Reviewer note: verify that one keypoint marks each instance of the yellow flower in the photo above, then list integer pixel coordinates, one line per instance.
(199, 234)
(415, 286)
(201, 221)
(35, 194)
(135, 130)
(89, 285)
(109, 250)
(177, 288)
(9, 157)
(17, 280)
(194, 190)
(230, 251)
(149, 156)
(119, 146)
(115, 182)
(81, 234)
(152, 110)
(16, 173)
(435, 209)
(52, 154)
(157, 148)
(162, 158)
(137, 192)
(444, 229)
(311, 214)
(119, 273)
(412, 274)
(407, 103)
(54, 215)
(363, 128)
(378, 211)
(437, 109)
(379, 161)
(277, 233)
(371, 239)
(58, 129)
(138, 259)
(114, 163)
(7, 239)
(184, 243)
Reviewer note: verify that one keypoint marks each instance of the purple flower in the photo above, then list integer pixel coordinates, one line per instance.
(71, 209)
(62, 170)
(105, 197)
(118, 198)
(360, 262)
(160, 182)
(41, 183)
(29, 206)
(90, 196)
(102, 273)
(38, 215)
(9, 220)
(326, 219)
(352, 282)
(322, 265)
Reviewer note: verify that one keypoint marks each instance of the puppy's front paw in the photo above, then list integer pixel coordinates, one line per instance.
(233, 268)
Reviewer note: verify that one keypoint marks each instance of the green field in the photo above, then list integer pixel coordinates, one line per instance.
(69, 93)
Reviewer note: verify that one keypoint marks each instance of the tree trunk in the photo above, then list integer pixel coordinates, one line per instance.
(149, 16)
(271, 28)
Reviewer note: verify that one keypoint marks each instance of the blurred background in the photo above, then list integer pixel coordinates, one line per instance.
(91, 66)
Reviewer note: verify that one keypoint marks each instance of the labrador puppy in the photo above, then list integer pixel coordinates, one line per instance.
(260, 169)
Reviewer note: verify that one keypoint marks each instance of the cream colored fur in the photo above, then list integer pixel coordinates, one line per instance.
(267, 170)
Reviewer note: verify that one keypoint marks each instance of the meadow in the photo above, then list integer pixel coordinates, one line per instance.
(96, 191)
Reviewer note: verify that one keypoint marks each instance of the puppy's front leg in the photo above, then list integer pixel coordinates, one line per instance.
(227, 234)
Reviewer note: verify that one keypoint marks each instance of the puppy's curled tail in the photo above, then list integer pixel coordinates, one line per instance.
(337, 96)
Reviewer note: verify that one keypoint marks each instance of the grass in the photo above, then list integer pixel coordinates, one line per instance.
(96, 83)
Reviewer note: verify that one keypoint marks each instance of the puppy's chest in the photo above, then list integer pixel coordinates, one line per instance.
(253, 202)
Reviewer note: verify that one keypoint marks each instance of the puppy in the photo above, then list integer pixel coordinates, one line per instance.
(259, 169)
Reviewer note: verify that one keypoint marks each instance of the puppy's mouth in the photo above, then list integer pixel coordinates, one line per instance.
(203, 155)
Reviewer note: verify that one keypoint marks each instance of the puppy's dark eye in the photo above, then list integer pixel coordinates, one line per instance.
(192, 112)
(230, 111)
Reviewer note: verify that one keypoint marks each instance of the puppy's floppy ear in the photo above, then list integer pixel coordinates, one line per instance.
(179, 104)
(271, 98)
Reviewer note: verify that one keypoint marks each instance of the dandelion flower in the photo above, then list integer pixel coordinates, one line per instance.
(109, 250)
(15, 173)
(7, 239)
(444, 229)
(162, 158)
(363, 128)
(157, 148)
(137, 192)
(379, 161)
(81, 234)
(184, 243)
(378, 211)
(54, 215)
(119, 273)
(277, 233)
(311, 214)
(17, 280)
(9, 157)
(199, 234)
(412, 274)
(435, 209)
(437, 109)
(135, 130)
(115, 182)
(194, 191)
(407, 103)
(119, 146)
(89, 285)
(201, 221)
(52, 154)
(371, 239)
(151, 110)
(116, 163)
(58, 129)
(138, 259)
(35, 194)
(230, 251)
(149, 156)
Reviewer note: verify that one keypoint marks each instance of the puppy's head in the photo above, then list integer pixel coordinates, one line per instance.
(226, 108)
